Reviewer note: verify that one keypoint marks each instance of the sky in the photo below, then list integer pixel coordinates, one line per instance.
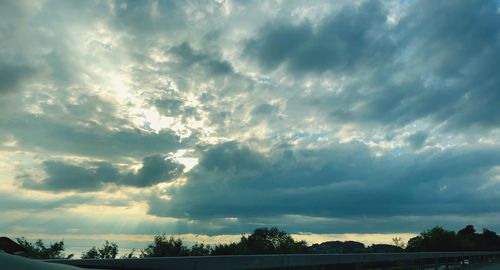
(208, 119)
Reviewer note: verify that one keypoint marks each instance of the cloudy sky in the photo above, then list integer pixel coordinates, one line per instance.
(132, 118)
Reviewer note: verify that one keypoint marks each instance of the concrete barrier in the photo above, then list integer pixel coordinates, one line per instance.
(284, 261)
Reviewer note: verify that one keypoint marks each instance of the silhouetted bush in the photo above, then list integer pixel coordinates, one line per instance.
(163, 247)
(108, 251)
(200, 250)
(129, 255)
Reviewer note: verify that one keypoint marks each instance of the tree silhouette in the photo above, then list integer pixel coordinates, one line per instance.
(109, 250)
(227, 249)
(468, 239)
(489, 240)
(200, 250)
(398, 242)
(272, 241)
(39, 250)
(435, 239)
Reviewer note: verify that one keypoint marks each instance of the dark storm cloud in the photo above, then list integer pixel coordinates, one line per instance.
(94, 140)
(355, 36)
(345, 180)
(62, 176)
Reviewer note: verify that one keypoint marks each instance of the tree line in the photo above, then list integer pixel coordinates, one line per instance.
(276, 241)
(466, 239)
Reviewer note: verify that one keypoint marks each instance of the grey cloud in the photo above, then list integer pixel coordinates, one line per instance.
(175, 106)
(12, 77)
(231, 156)
(453, 45)
(277, 43)
(78, 109)
(62, 176)
(148, 17)
(435, 68)
(266, 114)
(32, 43)
(417, 139)
(170, 106)
(433, 32)
(155, 169)
(105, 172)
(454, 64)
(41, 132)
(264, 109)
(355, 36)
(189, 58)
(367, 224)
(437, 63)
(14, 80)
(17, 201)
(342, 181)
(34, 57)
(295, 224)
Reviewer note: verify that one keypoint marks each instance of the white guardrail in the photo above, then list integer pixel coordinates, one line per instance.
(291, 261)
